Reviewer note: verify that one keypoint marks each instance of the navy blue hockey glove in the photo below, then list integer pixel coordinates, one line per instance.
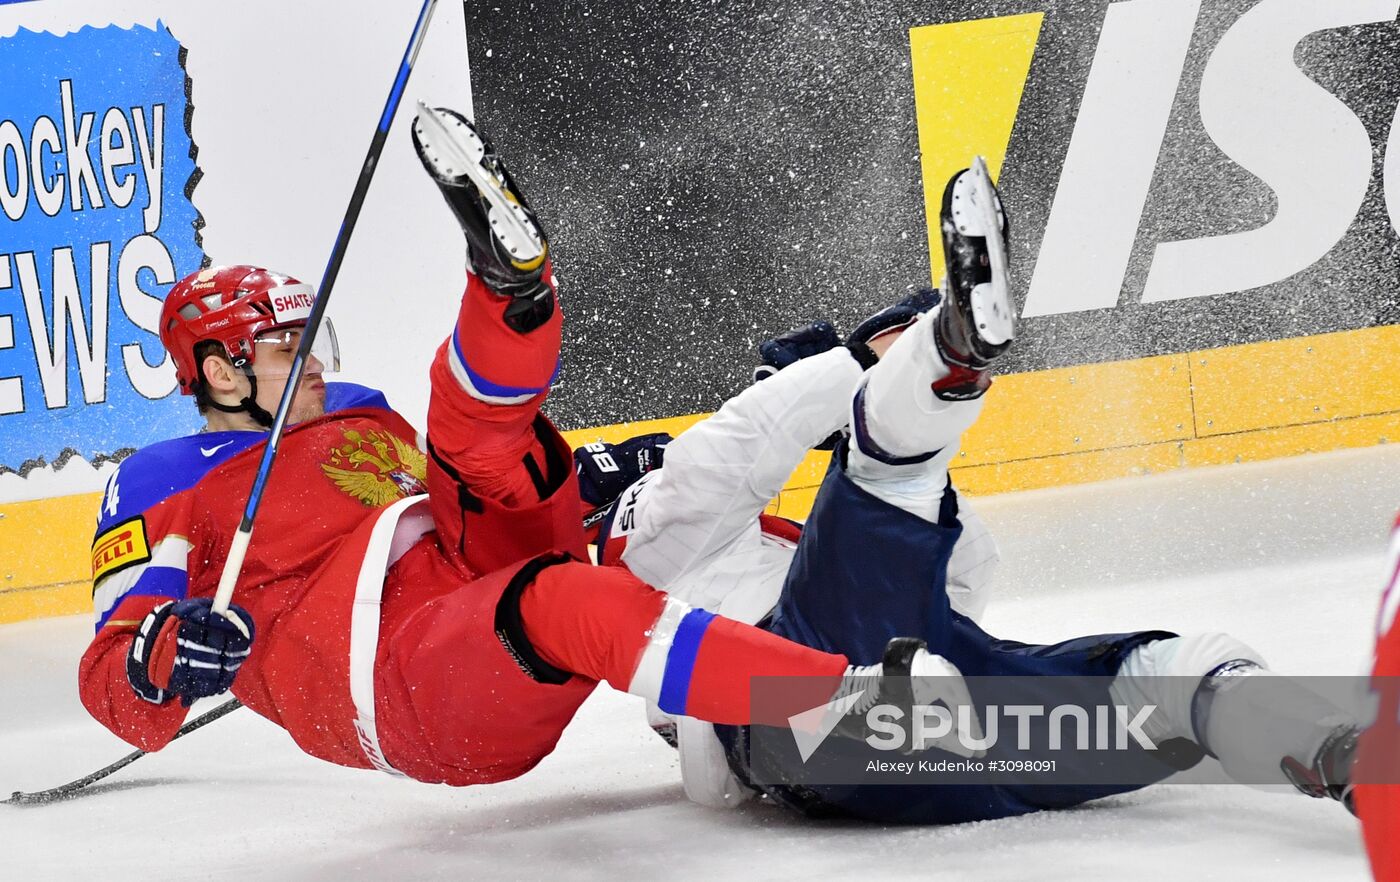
(792, 347)
(183, 648)
(892, 318)
(605, 470)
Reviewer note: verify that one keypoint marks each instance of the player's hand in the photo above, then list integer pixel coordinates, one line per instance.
(183, 648)
(795, 345)
(605, 470)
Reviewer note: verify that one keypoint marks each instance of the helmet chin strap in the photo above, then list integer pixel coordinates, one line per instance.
(248, 405)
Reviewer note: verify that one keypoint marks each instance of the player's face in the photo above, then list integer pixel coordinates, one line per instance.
(272, 363)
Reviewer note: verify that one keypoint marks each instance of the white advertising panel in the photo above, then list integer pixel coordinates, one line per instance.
(142, 139)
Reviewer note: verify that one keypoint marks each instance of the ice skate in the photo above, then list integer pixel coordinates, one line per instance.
(908, 676)
(976, 324)
(1330, 772)
(505, 244)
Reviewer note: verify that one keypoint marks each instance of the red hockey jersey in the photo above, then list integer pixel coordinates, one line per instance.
(1379, 803)
(168, 515)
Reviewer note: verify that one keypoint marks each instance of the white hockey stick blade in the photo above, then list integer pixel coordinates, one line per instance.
(980, 214)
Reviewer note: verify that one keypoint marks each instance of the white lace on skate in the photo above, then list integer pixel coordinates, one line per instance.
(859, 689)
(454, 149)
(977, 212)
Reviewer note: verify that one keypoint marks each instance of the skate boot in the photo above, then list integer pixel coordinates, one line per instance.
(908, 676)
(505, 244)
(976, 324)
(1329, 774)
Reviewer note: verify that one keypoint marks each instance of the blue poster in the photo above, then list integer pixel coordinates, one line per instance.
(97, 170)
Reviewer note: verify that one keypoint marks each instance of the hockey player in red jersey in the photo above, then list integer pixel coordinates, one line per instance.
(1378, 796)
(424, 612)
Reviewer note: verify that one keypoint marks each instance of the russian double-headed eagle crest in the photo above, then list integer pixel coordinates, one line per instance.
(377, 468)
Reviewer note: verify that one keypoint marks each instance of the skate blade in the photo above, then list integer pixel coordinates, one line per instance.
(455, 150)
(979, 213)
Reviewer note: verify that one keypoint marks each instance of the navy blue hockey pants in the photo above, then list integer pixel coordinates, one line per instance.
(867, 571)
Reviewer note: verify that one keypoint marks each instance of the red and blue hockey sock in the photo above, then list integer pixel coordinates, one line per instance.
(689, 661)
(488, 383)
(494, 363)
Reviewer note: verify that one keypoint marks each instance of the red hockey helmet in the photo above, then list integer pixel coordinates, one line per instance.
(235, 306)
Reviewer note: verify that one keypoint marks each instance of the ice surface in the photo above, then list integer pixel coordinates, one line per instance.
(1286, 555)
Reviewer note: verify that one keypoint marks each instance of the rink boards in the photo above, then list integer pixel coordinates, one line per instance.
(1190, 292)
(1099, 422)
(1065, 426)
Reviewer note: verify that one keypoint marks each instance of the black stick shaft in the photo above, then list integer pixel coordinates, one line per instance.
(74, 787)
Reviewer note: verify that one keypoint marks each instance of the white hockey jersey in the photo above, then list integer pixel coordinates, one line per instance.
(693, 528)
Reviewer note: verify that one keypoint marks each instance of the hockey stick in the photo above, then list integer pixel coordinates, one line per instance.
(238, 549)
(72, 789)
(233, 565)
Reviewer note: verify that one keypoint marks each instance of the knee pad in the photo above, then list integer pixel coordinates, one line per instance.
(510, 624)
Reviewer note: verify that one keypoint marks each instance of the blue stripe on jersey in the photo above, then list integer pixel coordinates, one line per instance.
(155, 473)
(343, 396)
(154, 582)
(867, 444)
(160, 471)
(680, 661)
(497, 390)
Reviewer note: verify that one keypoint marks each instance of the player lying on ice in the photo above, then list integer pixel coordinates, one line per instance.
(420, 613)
(873, 561)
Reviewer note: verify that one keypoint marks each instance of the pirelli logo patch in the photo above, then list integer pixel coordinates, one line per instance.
(122, 546)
